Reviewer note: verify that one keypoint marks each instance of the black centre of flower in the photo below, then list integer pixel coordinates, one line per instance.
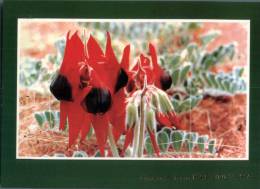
(130, 86)
(61, 88)
(98, 100)
(122, 80)
(166, 81)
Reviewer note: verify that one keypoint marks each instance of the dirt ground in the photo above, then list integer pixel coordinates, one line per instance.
(222, 118)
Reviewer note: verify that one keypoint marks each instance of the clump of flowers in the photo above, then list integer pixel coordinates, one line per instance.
(97, 90)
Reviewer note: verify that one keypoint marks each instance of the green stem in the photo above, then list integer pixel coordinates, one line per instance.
(136, 138)
(142, 129)
(112, 142)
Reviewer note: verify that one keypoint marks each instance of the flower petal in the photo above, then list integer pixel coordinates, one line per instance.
(73, 54)
(163, 120)
(128, 138)
(117, 113)
(95, 53)
(125, 58)
(100, 125)
(85, 127)
(154, 143)
(63, 114)
(75, 116)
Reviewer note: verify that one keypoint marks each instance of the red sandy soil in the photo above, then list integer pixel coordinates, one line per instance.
(222, 118)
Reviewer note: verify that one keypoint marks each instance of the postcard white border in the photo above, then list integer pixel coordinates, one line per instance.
(20, 20)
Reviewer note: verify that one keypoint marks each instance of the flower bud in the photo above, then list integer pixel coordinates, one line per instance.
(150, 119)
(165, 103)
(131, 115)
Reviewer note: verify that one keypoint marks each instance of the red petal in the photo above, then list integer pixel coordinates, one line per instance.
(73, 54)
(145, 62)
(63, 114)
(153, 54)
(95, 53)
(117, 113)
(174, 119)
(163, 119)
(125, 58)
(110, 55)
(85, 127)
(100, 125)
(111, 67)
(157, 70)
(154, 143)
(128, 138)
(75, 116)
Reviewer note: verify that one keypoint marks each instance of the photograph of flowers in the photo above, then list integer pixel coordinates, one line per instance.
(130, 89)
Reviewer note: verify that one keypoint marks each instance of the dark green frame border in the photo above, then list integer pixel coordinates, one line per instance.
(126, 174)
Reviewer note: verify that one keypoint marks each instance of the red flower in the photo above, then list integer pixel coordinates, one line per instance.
(96, 81)
(149, 69)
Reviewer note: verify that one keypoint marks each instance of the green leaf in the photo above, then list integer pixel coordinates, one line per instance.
(185, 105)
(163, 141)
(220, 83)
(39, 118)
(239, 72)
(205, 39)
(208, 61)
(202, 140)
(175, 62)
(177, 138)
(50, 117)
(149, 146)
(90, 133)
(227, 85)
(176, 105)
(184, 73)
(97, 154)
(79, 154)
(195, 100)
(213, 80)
(175, 77)
(191, 139)
(212, 146)
(59, 155)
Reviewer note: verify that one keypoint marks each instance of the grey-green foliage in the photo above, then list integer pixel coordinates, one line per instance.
(60, 155)
(36, 71)
(79, 154)
(50, 117)
(202, 140)
(163, 140)
(191, 140)
(29, 71)
(179, 141)
(177, 138)
(208, 37)
(183, 105)
(148, 146)
(212, 146)
(192, 77)
(141, 33)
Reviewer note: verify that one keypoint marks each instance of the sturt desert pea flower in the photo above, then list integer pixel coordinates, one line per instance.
(65, 87)
(115, 76)
(156, 79)
(96, 80)
(148, 65)
(156, 102)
